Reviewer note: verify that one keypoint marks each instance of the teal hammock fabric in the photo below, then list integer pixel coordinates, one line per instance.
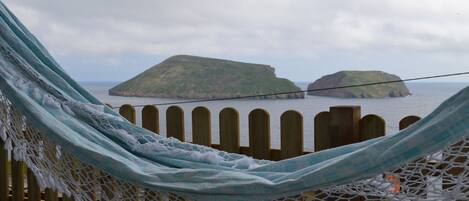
(63, 111)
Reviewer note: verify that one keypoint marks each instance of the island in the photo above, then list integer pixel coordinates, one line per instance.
(346, 78)
(193, 77)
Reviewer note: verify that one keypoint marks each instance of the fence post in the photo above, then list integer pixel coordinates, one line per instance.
(150, 118)
(412, 183)
(322, 138)
(344, 125)
(201, 126)
(407, 121)
(17, 179)
(4, 189)
(128, 112)
(372, 126)
(291, 134)
(229, 130)
(259, 134)
(50, 154)
(175, 122)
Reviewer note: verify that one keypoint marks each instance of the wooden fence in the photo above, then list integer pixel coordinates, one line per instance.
(339, 126)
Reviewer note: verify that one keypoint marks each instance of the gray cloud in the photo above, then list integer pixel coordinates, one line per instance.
(299, 37)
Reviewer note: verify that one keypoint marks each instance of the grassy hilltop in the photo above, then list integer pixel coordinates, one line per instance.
(345, 78)
(192, 77)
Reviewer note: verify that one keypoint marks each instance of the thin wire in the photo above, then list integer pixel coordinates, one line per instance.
(304, 91)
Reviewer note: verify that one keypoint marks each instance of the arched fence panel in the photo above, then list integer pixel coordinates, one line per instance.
(175, 123)
(259, 134)
(291, 134)
(150, 118)
(372, 126)
(128, 112)
(201, 126)
(229, 130)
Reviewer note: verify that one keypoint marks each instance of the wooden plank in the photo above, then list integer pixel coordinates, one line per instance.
(344, 129)
(150, 118)
(201, 126)
(371, 126)
(414, 184)
(322, 138)
(51, 195)
(4, 189)
(344, 125)
(175, 122)
(229, 130)
(51, 155)
(34, 191)
(291, 134)
(259, 134)
(407, 121)
(66, 198)
(17, 180)
(128, 112)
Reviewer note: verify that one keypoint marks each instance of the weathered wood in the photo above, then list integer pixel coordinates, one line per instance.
(322, 138)
(407, 121)
(50, 152)
(201, 126)
(150, 118)
(259, 134)
(17, 180)
(34, 191)
(175, 122)
(371, 126)
(291, 134)
(128, 112)
(344, 129)
(412, 183)
(229, 130)
(4, 189)
(66, 198)
(51, 195)
(344, 125)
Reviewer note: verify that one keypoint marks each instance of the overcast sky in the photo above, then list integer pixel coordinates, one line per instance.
(114, 40)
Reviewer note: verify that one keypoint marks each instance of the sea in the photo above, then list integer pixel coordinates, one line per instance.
(425, 98)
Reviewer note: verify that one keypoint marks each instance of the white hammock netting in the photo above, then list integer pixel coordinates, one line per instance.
(443, 175)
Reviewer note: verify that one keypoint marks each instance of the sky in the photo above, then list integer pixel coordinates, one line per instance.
(114, 40)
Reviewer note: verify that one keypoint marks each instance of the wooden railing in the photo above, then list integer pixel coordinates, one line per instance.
(339, 126)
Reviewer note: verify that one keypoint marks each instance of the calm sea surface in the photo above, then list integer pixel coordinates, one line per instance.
(425, 98)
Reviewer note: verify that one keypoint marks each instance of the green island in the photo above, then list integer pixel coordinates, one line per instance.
(345, 78)
(192, 77)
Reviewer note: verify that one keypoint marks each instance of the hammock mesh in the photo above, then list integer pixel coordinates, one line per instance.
(442, 175)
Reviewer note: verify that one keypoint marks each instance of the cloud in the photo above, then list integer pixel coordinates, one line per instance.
(303, 29)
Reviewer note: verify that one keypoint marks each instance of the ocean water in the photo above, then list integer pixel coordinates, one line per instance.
(424, 99)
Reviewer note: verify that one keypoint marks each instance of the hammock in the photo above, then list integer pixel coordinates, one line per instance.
(76, 145)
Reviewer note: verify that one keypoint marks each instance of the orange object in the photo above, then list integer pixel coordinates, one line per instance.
(396, 183)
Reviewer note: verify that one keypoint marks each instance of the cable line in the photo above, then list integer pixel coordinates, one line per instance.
(304, 91)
